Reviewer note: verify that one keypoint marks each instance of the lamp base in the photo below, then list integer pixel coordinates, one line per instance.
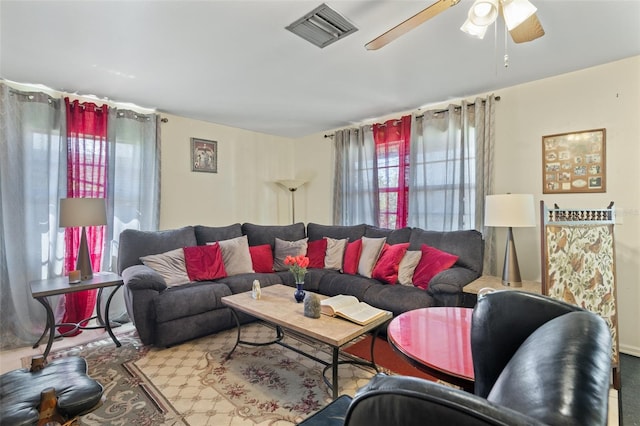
(511, 269)
(83, 263)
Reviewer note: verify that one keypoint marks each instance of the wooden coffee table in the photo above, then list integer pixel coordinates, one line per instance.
(436, 341)
(278, 307)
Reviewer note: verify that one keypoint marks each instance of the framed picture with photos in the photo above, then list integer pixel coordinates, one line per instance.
(574, 162)
(204, 155)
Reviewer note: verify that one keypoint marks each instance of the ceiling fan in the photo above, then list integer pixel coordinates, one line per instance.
(519, 16)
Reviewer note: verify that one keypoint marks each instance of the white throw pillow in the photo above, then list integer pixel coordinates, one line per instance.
(371, 249)
(335, 253)
(407, 266)
(170, 265)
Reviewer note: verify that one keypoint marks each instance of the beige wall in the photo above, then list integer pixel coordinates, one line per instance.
(243, 190)
(605, 96)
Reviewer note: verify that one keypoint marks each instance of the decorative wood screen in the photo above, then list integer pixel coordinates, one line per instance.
(578, 264)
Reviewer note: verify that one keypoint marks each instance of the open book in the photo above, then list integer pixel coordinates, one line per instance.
(351, 308)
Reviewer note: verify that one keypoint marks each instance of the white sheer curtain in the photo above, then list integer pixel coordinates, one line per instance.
(32, 180)
(451, 170)
(355, 194)
(133, 200)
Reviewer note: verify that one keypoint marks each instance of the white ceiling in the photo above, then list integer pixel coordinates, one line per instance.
(233, 63)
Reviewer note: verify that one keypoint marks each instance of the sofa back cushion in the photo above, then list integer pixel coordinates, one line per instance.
(211, 234)
(393, 236)
(135, 244)
(337, 232)
(467, 245)
(267, 234)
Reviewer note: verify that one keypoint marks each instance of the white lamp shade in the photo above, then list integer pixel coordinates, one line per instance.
(515, 12)
(509, 210)
(473, 30)
(483, 12)
(291, 184)
(82, 212)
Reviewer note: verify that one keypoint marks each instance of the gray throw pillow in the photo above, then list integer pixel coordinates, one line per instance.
(236, 256)
(287, 248)
(170, 265)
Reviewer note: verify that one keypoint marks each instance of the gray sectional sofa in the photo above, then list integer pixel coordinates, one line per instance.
(165, 316)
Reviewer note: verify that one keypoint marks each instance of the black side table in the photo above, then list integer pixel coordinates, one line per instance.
(41, 290)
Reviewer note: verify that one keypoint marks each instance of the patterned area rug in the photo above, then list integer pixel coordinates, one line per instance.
(193, 384)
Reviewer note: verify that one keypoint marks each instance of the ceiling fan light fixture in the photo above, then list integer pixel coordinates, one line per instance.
(477, 31)
(515, 12)
(483, 12)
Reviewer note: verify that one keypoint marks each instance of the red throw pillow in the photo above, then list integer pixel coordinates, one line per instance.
(316, 251)
(432, 262)
(386, 269)
(352, 257)
(204, 262)
(261, 258)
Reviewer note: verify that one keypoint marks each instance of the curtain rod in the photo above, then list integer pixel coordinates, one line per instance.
(497, 98)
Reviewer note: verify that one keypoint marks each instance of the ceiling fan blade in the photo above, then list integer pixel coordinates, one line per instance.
(529, 30)
(411, 23)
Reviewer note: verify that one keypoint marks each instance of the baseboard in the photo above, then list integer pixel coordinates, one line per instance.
(630, 350)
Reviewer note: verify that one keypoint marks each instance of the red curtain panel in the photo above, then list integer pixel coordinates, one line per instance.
(392, 141)
(86, 178)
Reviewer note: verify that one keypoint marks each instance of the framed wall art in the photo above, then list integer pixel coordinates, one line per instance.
(574, 162)
(204, 155)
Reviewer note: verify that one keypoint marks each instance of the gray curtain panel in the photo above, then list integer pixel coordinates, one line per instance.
(355, 194)
(32, 180)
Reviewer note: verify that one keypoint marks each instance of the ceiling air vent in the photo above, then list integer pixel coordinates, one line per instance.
(322, 26)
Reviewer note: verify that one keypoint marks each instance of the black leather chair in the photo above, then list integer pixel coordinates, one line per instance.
(536, 360)
(20, 390)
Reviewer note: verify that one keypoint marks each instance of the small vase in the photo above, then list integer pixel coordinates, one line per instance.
(299, 293)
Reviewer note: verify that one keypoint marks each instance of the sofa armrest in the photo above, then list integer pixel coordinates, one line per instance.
(141, 277)
(404, 400)
(142, 285)
(447, 287)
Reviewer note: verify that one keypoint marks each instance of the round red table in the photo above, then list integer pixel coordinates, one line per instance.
(436, 341)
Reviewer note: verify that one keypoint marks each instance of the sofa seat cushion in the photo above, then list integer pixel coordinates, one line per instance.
(190, 299)
(397, 298)
(335, 283)
(311, 279)
(244, 282)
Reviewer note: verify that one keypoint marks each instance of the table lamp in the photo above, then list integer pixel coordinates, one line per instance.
(83, 212)
(511, 211)
(292, 185)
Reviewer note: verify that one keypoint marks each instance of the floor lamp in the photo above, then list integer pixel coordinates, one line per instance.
(83, 212)
(292, 185)
(511, 211)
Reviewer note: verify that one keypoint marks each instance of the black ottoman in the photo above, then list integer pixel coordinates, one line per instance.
(20, 390)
